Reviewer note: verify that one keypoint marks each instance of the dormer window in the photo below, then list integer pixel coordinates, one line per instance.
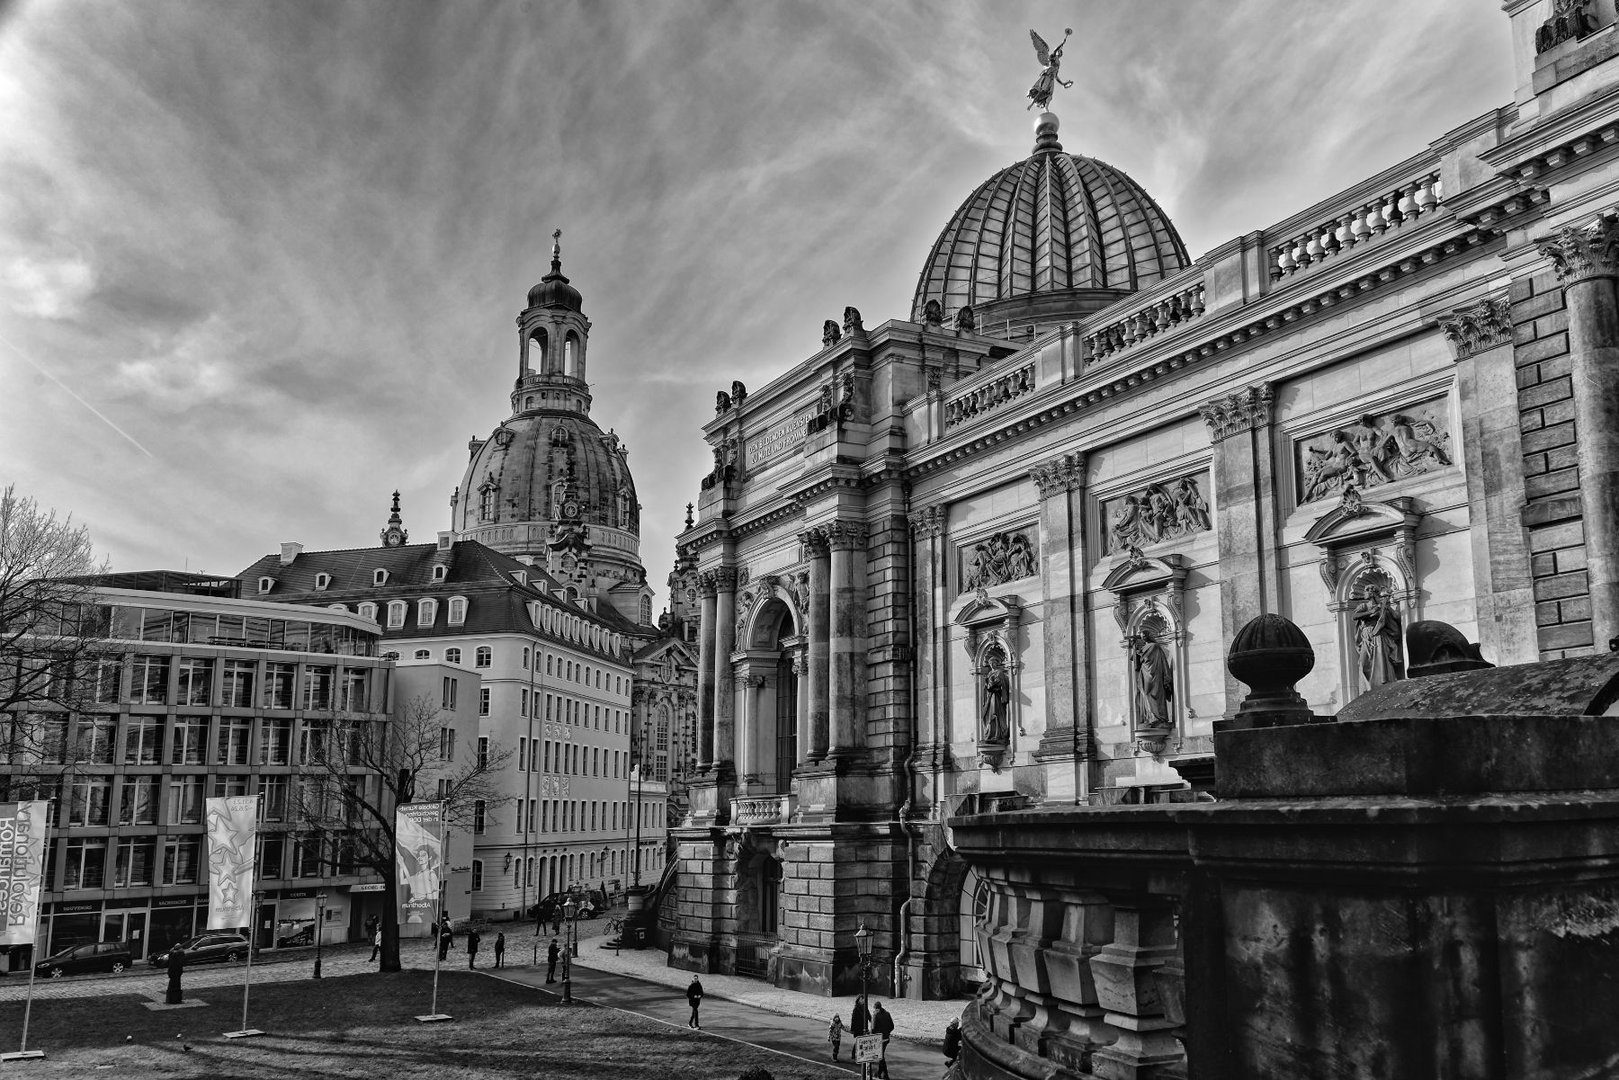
(379, 576)
(368, 610)
(520, 576)
(440, 572)
(458, 610)
(321, 581)
(396, 614)
(266, 584)
(337, 607)
(426, 612)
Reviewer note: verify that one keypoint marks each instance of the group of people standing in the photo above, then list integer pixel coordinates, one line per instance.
(862, 1021)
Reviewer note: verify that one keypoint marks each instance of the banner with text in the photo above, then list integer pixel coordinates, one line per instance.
(419, 857)
(233, 825)
(22, 869)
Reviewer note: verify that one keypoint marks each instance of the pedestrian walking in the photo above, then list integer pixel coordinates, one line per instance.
(694, 997)
(882, 1024)
(376, 944)
(472, 948)
(834, 1034)
(952, 1043)
(859, 1018)
(446, 938)
(500, 949)
(551, 955)
(177, 967)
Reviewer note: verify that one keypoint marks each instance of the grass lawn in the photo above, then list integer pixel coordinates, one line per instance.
(362, 1026)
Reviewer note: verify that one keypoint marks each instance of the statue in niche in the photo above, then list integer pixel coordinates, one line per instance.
(1377, 637)
(996, 690)
(1373, 450)
(1152, 681)
(1159, 512)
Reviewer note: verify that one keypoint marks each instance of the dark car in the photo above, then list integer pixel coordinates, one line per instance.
(205, 948)
(306, 936)
(111, 956)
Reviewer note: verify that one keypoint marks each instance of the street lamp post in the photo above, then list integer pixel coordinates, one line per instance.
(570, 912)
(320, 922)
(862, 942)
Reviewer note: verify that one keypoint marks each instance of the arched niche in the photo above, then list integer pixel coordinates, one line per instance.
(573, 355)
(538, 351)
(995, 651)
(1148, 605)
(768, 667)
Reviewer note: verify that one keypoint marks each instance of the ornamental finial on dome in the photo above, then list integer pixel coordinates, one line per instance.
(395, 535)
(1050, 59)
(556, 252)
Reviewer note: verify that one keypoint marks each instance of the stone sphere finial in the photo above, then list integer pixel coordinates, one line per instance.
(1045, 132)
(1270, 655)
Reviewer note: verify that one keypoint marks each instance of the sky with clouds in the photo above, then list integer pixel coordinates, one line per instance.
(260, 262)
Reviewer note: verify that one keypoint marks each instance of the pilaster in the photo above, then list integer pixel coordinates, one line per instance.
(820, 620)
(1065, 744)
(847, 655)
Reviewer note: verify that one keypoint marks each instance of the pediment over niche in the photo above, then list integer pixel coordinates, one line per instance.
(1355, 518)
(1137, 571)
(978, 608)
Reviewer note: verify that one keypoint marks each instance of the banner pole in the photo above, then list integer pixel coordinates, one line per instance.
(28, 1006)
(252, 932)
(254, 899)
(443, 908)
(27, 876)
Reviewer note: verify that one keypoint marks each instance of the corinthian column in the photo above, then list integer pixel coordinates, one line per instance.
(1587, 261)
(820, 612)
(846, 664)
(705, 674)
(724, 645)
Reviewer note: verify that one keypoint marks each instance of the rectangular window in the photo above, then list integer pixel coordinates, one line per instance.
(190, 741)
(522, 753)
(233, 737)
(279, 685)
(477, 875)
(547, 755)
(318, 688)
(185, 800)
(306, 855)
(230, 784)
(522, 708)
(273, 797)
(237, 692)
(354, 695)
(483, 751)
(107, 679)
(137, 804)
(150, 683)
(443, 788)
(313, 742)
(272, 851)
(449, 692)
(94, 739)
(275, 742)
(89, 801)
(181, 858)
(529, 879)
(483, 701)
(195, 681)
(533, 808)
(86, 863)
(136, 858)
(479, 816)
(446, 744)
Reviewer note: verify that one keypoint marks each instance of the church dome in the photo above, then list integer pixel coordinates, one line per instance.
(1053, 237)
(553, 291)
(548, 467)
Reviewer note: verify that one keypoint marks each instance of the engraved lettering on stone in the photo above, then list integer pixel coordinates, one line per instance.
(1377, 449)
(778, 440)
(1155, 513)
(997, 559)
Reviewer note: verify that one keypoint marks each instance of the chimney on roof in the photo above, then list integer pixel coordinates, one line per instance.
(289, 552)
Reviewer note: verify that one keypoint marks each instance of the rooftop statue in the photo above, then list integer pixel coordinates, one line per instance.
(1040, 93)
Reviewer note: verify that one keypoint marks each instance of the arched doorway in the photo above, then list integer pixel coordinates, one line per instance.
(769, 745)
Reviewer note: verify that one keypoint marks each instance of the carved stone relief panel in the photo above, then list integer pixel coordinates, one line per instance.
(1375, 449)
(999, 558)
(1153, 513)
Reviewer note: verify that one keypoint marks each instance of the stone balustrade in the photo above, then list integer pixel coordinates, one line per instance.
(1394, 209)
(990, 395)
(1149, 321)
(761, 810)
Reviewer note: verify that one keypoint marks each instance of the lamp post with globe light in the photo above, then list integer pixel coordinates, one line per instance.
(862, 943)
(570, 912)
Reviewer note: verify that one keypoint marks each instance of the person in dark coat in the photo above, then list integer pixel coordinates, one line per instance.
(446, 939)
(473, 941)
(177, 966)
(551, 955)
(882, 1024)
(694, 998)
(952, 1042)
(500, 950)
(859, 1018)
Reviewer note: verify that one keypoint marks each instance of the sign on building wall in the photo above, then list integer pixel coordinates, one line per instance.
(22, 869)
(419, 860)
(232, 856)
(773, 443)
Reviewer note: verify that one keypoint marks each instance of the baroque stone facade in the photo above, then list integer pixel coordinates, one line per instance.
(1384, 410)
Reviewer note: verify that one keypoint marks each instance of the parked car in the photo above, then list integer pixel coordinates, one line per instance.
(111, 956)
(205, 948)
(304, 936)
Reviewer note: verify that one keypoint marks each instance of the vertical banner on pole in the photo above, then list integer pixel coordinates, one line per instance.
(232, 832)
(419, 861)
(22, 870)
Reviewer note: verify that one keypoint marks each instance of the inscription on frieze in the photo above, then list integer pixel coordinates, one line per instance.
(778, 440)
(1376, 449)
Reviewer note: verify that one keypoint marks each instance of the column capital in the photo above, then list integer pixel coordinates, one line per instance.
(1479, 326)
(1245, 409)
(845, 535)
(724, 578)
(1060, 474)
(1582, 252)
(928, 520)
(814, 541)
(706, 584)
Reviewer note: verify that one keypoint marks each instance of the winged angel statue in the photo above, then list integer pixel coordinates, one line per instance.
(1040, 93)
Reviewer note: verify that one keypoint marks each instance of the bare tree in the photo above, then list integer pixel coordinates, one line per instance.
(357, 772)
(55, 660)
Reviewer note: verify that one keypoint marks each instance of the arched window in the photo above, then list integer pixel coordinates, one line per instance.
(423, 654)
(452, 656)
(440, 572)
(571, 355)
(266, 584)
(537, 349)
(484, 656)
(458, 610)
(646, 611)
(321, 581)
(379, 576)
(426, 612)
(528, 402)
(368, 610)
(396, 613)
